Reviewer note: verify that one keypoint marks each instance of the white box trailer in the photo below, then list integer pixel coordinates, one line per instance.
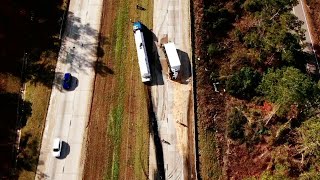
(142, 53)
(173, 59)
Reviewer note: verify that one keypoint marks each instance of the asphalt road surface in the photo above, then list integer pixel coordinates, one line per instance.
(171, 99)
(69, 111)
(300, 12)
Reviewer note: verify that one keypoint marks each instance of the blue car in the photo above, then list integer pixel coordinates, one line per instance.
(67, 81)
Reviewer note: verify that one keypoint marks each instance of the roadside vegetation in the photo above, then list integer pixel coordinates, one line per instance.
(29, 45)
(118, 129)
(263, 123)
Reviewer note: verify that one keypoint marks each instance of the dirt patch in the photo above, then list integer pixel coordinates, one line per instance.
(97, 144)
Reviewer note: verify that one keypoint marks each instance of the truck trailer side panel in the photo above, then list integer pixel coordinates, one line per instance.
(142, 56)
(172, 55)
(173, 58)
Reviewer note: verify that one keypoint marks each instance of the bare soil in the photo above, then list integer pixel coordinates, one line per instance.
(117, 139)
(97, 144)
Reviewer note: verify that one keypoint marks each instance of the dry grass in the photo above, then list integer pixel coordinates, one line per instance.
(118, 129)
(39, 95)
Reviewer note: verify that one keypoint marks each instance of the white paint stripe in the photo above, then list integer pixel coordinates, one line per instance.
(314, 52)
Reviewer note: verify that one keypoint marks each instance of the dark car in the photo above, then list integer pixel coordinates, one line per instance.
(67, 81)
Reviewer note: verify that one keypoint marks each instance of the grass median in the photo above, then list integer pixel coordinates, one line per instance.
(118, 129)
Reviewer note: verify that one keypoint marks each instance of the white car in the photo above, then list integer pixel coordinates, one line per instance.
(56, 149)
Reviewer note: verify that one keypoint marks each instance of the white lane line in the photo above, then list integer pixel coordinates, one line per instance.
(304, 15)
(314, 52)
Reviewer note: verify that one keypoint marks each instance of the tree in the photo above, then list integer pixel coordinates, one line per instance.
(213, 49)
(270, 6)
(219, 18)
(310, 138)
(243, 83)
(285, 87)
(236, 122)
(278, 34)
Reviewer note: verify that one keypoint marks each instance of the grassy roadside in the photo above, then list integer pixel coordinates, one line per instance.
(209, 167)
(128, 157)
(38, 95)
(118, 129)
(31, 134)
(116, 114)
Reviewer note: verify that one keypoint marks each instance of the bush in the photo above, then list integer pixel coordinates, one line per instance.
(213, 49)
(236, 122)
(285, 87)
(243, 83)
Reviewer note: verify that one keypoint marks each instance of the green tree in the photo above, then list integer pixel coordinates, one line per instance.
(219, 18)
(285, 87)
(243, 83)
(270, 6)
(313, 173)
(236, 121)
(278, 34)
(213, 49)
(279, 173)
(310, 137)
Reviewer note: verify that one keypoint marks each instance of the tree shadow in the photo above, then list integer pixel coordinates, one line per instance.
(25, 111)
(102, 69)
(11, 120)
(29, 43)
(76, 56)
(27, 158)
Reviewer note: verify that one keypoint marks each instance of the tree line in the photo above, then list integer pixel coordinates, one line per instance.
(265, 61)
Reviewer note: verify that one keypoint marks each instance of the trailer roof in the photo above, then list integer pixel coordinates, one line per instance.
(172, 54)
(142, 56)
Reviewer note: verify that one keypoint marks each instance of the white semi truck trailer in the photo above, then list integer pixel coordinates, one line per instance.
(173, 59)
(142, 52)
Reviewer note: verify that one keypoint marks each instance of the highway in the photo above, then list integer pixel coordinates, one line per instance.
(172, 100)
(300, 12)
(68, 111)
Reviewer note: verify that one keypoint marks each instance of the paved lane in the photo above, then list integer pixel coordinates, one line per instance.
(69, 111)
(171, 99)
(300, 12)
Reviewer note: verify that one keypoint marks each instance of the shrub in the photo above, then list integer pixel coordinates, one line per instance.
(236, 122)
(243, 83)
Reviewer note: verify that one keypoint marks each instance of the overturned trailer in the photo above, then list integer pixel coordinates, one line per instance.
(173, 59)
